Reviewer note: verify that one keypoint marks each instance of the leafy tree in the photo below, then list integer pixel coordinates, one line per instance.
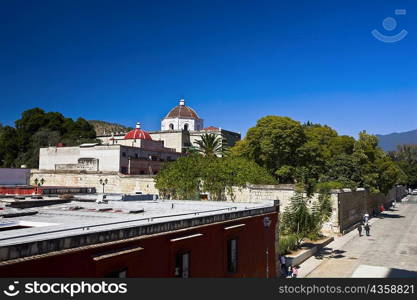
(180, 179)
(344, 169)
(35, 129)
(189, 176)
(273, 143)
(9, 147)
(405, 158)
(310, 154)
(378, 171)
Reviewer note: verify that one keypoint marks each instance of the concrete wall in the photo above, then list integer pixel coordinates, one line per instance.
(177, 139)
(108, 157)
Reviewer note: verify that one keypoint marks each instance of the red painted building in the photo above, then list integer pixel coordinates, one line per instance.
(44, 190)
(185, 239)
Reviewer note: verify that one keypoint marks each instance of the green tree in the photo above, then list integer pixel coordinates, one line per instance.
(405, 158)
(35, 129)
(273, 144)
(304, 219)
(378, 171)
(191, 175)
(9, 147)
(210, 145)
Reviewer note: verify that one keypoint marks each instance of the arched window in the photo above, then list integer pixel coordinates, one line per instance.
(171, 126)
(185, 126)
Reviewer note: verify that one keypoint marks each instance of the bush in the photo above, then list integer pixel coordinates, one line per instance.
(287, 243)
(327, 186)
(314, 236)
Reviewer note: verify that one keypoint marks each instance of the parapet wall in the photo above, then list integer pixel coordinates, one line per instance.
(116, 183)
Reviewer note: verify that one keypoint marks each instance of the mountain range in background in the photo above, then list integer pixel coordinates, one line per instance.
(389, 142)
(103, 128)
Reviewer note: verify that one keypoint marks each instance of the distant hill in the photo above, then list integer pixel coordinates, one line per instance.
(389, 142)
(102, 127)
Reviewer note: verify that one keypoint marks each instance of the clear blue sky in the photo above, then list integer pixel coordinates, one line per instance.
(233, 61)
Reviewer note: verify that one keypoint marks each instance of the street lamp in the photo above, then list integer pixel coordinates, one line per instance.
(103, 183)
(39, 182)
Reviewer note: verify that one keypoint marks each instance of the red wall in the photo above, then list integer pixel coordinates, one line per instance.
(208, 256)
(18, 190)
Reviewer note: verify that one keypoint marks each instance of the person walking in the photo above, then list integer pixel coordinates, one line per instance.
(360, 229)
(365, 218)
(367, 229)
(294, 272)
(283, 262)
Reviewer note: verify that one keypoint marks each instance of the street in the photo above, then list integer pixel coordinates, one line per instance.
(390, 250)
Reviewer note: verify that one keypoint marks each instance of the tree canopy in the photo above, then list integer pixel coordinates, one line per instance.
(406, 159)
(36, 128)
(312, 153)
(189, 176)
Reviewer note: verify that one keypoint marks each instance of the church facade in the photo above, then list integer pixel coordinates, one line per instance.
(180, 129)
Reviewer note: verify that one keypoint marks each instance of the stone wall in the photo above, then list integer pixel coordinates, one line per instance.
(348, 207)
(259, 193)
(117, 183)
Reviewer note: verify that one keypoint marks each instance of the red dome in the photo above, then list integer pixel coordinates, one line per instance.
(137, 134)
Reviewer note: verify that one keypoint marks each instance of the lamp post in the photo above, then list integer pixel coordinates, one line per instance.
(103, 183)
(39, 182)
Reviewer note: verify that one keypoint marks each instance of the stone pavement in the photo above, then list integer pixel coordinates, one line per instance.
(390, 251)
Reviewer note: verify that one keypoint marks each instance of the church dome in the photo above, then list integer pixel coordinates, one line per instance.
(137, 133)
(182, 111)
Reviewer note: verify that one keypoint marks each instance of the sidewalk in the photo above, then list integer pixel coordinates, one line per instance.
(332, 250)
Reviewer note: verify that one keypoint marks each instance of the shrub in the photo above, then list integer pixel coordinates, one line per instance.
(287, 243)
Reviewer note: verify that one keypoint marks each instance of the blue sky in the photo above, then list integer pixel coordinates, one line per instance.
(233, 61)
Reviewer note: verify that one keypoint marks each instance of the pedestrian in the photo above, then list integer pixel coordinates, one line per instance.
(360, 229)
(365, 218)
(294, 272)
(283, 262)
(382, 208)
(367, 229)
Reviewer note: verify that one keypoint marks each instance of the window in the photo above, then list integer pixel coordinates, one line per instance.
(117, 274)
(124, 154)
(171, 126)
(182, 265)
(232, 255)
(185, 126)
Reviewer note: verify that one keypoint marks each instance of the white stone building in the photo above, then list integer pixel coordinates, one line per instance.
(180, 129)
(134, 154)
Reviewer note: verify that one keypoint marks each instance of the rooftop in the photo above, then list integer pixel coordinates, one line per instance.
(78, 218)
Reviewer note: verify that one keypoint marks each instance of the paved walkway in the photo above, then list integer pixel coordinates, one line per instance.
(390, 251)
